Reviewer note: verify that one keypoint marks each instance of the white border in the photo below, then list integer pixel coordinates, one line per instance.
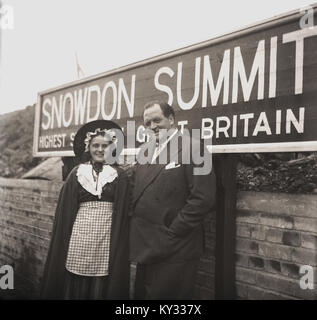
(264, 24)
(266, 147)
(229, 148)
(36, 153)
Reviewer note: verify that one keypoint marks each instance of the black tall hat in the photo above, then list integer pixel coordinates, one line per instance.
(81, 135)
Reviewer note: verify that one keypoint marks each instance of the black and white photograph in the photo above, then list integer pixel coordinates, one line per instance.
(158, 151)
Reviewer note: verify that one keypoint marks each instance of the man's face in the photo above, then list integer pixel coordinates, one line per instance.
(155, 120)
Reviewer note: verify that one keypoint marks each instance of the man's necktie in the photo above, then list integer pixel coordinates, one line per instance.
(156, 153)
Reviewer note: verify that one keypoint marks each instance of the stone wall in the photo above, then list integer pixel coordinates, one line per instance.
(26, 219)
(27, 210)
(276, 235)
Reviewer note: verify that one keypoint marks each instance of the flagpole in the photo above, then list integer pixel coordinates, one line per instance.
(78, 67)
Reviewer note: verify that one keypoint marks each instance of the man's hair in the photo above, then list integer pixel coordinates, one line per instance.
(165, 107)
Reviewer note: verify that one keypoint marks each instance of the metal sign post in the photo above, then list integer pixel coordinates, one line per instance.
(226, 170)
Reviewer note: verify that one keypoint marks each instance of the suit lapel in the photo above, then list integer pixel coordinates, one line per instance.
(149, 172)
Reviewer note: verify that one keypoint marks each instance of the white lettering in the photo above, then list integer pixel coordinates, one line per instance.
(234, 126)
(129, 102)
(108, 85)
(68, 96)
(96, 89)
(291, 119)
(299, 37)
(57, 111)
(278, 121)
(273, 58)
(206, 128)
(162, 87)
(223, 79)
(188, 105)
(257, 69)
(80, 105)
(47, 101)
(222, 129)
(262, 125)
(182, 124)
(246, 118)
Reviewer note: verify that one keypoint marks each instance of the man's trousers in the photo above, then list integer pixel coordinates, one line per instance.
(166, 281)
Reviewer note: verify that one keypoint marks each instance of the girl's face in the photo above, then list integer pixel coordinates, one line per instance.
(97, 148)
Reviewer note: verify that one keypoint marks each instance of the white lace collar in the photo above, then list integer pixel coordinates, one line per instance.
(86, 179)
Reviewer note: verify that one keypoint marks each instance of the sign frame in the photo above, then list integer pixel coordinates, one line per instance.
(295, 146)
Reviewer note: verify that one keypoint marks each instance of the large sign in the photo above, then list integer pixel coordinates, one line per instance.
(254, 90)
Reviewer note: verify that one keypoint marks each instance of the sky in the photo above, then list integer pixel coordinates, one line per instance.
(39, 52)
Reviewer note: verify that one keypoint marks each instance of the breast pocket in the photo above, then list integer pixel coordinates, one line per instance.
(172, 179)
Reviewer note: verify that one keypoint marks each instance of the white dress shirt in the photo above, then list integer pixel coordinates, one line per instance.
(160, 147)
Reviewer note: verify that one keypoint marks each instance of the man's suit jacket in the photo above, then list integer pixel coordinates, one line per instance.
(169, 206)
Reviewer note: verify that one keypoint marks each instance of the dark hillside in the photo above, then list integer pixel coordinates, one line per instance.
(16, 141)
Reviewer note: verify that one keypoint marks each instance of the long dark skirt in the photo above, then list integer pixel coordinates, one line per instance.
(85, 288)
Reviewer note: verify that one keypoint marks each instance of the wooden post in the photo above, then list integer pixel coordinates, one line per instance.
(226, 169)
(69, 164)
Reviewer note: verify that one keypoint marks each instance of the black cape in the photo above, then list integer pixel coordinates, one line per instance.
(65, 215)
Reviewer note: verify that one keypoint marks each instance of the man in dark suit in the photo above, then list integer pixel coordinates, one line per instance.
(170, 202)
